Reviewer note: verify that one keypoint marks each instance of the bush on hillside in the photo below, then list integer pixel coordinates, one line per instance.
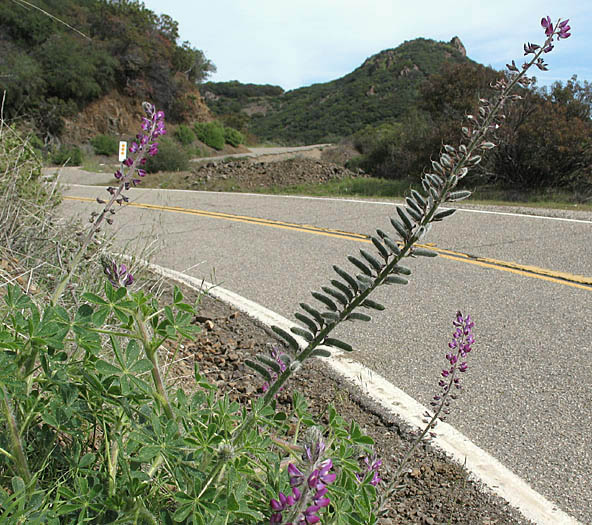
(171, 157)
(185, 135)
(210, 133)
(233, 137)
(105, 145)
(66, 154)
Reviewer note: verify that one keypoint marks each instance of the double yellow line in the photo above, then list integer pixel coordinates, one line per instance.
(567, 279)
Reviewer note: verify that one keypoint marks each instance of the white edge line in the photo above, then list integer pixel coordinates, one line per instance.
(479, 463)
(356, 201)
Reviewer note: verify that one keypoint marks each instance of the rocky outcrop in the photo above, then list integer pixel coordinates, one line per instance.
(459, 45)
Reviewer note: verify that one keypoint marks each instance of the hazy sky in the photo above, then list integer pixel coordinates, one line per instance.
(301, 42)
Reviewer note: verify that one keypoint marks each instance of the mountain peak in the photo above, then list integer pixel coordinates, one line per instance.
(456, 42)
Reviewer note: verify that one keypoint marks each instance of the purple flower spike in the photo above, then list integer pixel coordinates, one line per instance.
(118, 275)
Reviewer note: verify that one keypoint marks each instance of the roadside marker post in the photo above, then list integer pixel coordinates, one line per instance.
(122, 150)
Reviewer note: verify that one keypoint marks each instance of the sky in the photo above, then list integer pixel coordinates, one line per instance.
(302, 42)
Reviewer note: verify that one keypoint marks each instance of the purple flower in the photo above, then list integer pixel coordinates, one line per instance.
(564, 29)
(546, 23)
(118, 275)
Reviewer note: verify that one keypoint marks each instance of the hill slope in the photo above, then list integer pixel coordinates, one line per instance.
(383, 89)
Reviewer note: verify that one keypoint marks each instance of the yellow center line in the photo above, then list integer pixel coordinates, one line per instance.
(567, 279)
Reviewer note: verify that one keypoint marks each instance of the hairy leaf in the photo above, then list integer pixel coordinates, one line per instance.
(346, 277)
(259, 369)
(358, 316)
(395, 279)
(271, 363)
(286, 337)
(458, 196)
(400, 228)
(321, 352)
(334, 293)
(380, 247)
(418, 199)
(344, 288)
(331, 316)
(302, 333)
(442, 214)
(406, 221)
(376, 264)
(402, 269)
(369, 303)
(413, 214)
(424, 252)
(307, 321)
(312, 311)
(359, 264)
(330, 341)
(393, 247)
(325, 300)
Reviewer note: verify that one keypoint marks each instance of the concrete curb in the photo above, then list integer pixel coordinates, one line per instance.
(481, 465)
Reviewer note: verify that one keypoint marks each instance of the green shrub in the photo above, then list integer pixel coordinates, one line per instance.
(184, 134)
(233, 137)
(211, 134)
(66, 154)
(105, 145)
(171, 157)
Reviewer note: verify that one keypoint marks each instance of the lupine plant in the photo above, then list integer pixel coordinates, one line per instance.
(92, 433)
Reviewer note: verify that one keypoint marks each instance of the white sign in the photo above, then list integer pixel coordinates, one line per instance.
(122, 150)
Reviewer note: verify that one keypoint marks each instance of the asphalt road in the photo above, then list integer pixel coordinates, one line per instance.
(528, 391)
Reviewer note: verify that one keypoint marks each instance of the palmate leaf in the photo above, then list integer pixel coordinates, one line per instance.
(286, 337)
(374, 262)
(261, 370)
(337, 343)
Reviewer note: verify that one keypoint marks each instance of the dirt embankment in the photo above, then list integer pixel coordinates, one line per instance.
(252, 175)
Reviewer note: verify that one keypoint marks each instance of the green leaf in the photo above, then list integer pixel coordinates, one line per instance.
(358, 316)
(458, 196)
(259, 369)
(320, 352)
(424, 252)
(400, 228)
(325, 300)
(334, 293)
(395, 279)
(359, 264)
(286, 337)
(413, 214)
(331, 316)
(402, 269)
(393, 247)
(375, 263)
(330, 341)
(268, 361)
(380, 247)
(307, 321)
(302, 333)
(369, 303)
(344, 288)
(312, 311)
(141, 367)
(346, 277)
(182, 513)
(408, 224)
(418, 198)
(443, 214)
(411, 204)
(93, 298)
(106, 368)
